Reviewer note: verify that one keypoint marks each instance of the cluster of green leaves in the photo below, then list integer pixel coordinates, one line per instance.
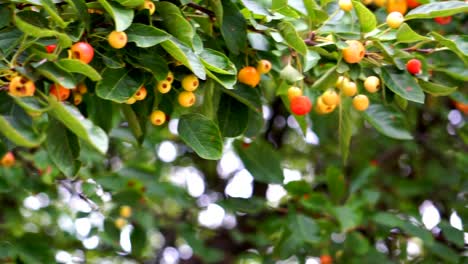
(213, 39)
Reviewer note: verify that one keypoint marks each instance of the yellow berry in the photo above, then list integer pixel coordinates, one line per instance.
(190, 83)
(355, 51)
(120, 223)
(125, 211)
(77, 98)
(141, 94)
(349, 88)
(264, 66)
(186, 99)
(117, 39)
(345, 5)
(164, 86)
(395, 19)
(294, 91)
(81, 88)
(341, 81)
(322, 108)
(131, 100)
(148, 5)
(360, 102)
(372, 84)
(330, 97)
(170, 77)
(157, 117)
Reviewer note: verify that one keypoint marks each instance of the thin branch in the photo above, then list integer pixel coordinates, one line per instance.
(200, 8)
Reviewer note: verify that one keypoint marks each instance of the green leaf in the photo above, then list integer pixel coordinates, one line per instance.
(336, 183)
(457, 44)
(17, 128)
(216, 61)
(202, 135)
(185, 55)
(123, 17)
(326, 80)
(345, 129)
(63, 148)
(82, 11)
(255, 7)
(247, 95)
(403, 84)
(347, 217)
(57, 74)
(367, 19)
(452, 234)
(292, 38)
(232, 116)
(436, 89)
(138, 240)
(130, 3)
(303, 228)
(444, 252)
(133, 123)
(437, 9)
(119, 84)
(310, 60)
(151, 62)
(233, 27)
(77, 66)
(71, 117)
(290, 74)
(387, 121)
(146, 36)
(406, 35)
(175, 23)
(9, 39)
(227, 81)
(261, 160)
(49, 6)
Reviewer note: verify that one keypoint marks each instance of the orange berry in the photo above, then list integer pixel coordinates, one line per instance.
(140, 94)
(249, 75)
(322, 108)
(81, 88)
(158, 117)
(355, 51)
(59, 92)
(326, 259)
(120, 223)
(131, 100)
(125, 211)
(186, 99)
(117, 39)
(397, 6)
(345, 5)
(148, 5)
(264, 66)
(170, 77)
(77, 98)
(330, 97)
(190, 83)
(164, 86)
(20, 86)
(8, 160)
(360, 102)
(349, 88)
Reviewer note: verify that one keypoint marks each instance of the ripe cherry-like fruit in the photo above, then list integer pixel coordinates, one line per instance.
(412, 3)
(397, 6)
(395, 19)
(141, 94)
(50, 48)
(20, 86)
(294, 91)
(341, 81)
(8, 160)
(131, 100)
(170, 77)
(120, 222)
(190, 83)
(300, 105)
(117, 39)
(360, 102)
(148, 5)
(82, 51)
(59, 92)
(345, 5)
(322, 108)
(264, 66)
(330, 97)
(461, 106)
(372, 84)
(249, 75)
(443, 20)
(157, 117)
(186, 99)
(326, 259)
(414, 66)
(164, 86)
(125, 211)
(77, 98)
(355, 51)
(349, 88)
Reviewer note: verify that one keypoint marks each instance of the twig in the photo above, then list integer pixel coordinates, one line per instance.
(210, 13)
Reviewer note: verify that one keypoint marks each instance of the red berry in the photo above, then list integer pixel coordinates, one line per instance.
(414, 66)
(412, 3)
(50, 48)
(443, 20)
(301, 105)
(82, 51)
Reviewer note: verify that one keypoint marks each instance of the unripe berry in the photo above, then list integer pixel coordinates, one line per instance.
(300, 105)
(414, 66)
(345, 5)
(117, 39)
(140, 94)
(164, 86)
(294, 91)
(249, 75)
(190, 83)
(349, 89)
(59, 92)
(157, 117)
(264, 66)
(322, 108)
(125, 211)
(120, 223)
(8, 160)
(360, 102)
(395, 19)
(186, 99)
(372, 84)
(355, 51)
(20, 86)
(330, 97)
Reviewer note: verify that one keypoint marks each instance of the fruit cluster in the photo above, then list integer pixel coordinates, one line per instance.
(125, 213)
(251, 76)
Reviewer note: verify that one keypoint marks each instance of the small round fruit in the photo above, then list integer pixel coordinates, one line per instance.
(349, 89)
(355, 51)
(322, 108)
(264, 66)
(164, 86)
(397, 6)
(148, 5)
(360, 102)
(131, 100)
(120, 223)
(117, 39)
(50, 48)
(249, 75)
(461, 106)
(345, 5)
(190, 83)
(341, 81)
(186, 99)
(82, 51)
(294, 91)
(8, 160)
(326, 259)
(77, 98)
(141, 94)
(158, 117)
(125, 211)
(59, 92)
(443, 20)
(412, 3)
(20, 86)
(395, 19)
(300, 105)
(330, 97)
(81, 88)
(372, 84)
(414, 66)
(170, 77)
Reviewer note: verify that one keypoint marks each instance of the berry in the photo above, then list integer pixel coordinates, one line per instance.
(148, 5)
(120, 223)
(443, 20)
(412, 3)
(131, 100)
(83, 52)
(59, 92)
(360, 102)
(294, 91)
(355, 51)
(414, 66)
(140, 94)
(170, 77)
(190, 83)
(326, 259)
(395, 19)
(249, 75)
(186, 99)
(77, 98)
(330, 97)
(349, 88)
(341, 81)
(264, 66)
(372, 84)
(322, 108)
(50, 48)
(8, 160)
(20, 86)
(125, 211)
(164, 86)
(462, 107)
(157, 117)
(345, 5)
(300, 105)
(81, 88)
(117, 39)
(397, 6)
